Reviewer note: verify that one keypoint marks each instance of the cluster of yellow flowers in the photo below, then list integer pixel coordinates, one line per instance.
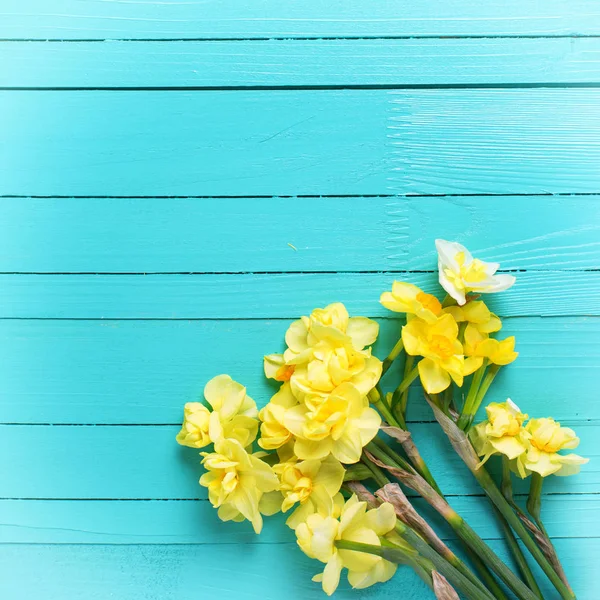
(318, 422)
(453, 339)
(532, 447)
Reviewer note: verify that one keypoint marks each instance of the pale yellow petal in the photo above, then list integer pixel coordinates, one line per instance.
(331, 574)
(362, 331)
(433, 377)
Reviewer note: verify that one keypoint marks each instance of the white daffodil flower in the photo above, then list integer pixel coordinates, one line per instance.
(460, 273)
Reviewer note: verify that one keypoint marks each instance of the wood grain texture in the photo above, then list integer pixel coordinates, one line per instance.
(196, 522)
(73, 19)
(301, 63)
(145, 462)
(289, 142)
(264, 296)
(233, 572)
(144, 371)
(61, 235)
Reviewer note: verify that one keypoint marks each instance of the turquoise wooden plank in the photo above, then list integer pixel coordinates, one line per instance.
(372, 234)
(242, 296)
(196, 522)
(119, 462)
(73, 19)
(300, 63)
(100, 572)
(144, 371)
(290, 142)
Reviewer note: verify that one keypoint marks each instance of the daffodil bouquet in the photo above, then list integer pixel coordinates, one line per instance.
(336, 454)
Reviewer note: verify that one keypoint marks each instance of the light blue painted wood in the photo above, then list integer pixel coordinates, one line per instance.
(300, 142)
(196, 522)
(271, 143)
(76, 19)
(301, 63)
(242, 296)
(371, 234)
(119, 462)
(99, 572)
(144, 371)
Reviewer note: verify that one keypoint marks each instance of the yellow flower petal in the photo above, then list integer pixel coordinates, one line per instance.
(331, 574)
(433, 377)
(362, 331)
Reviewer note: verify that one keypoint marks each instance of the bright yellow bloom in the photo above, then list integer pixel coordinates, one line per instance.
(327, 349)
(546, 439)
(460, 273)
(273, 432)
(479, 346)
(236, 482)
(276, 368)
(233, 415)
(333, 362)
(317, 537)
(327, 323)
(438, 343)
(314, 484)
(477, 315)
(341, 423)
(412, 300)
(502, 433)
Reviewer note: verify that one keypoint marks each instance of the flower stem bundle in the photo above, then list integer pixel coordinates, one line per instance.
(333, 450)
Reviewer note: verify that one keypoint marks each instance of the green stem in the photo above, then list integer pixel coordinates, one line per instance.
(417, 461)
(486, 575)
(408, 379)
(494, 494)
(400, 401)
(451, 573)
(487, 382)
(470, 538)
(469, 408)
(392, 356)
(534, 501)
(513, 545)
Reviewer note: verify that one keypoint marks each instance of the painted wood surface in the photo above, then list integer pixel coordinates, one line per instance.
(275, 63)
(86, 19)
(293, 142)
(150, 466)
(226, 235)
(185, 521)
(140, 366)
(156, 235)
(170, 571)
(239, 296)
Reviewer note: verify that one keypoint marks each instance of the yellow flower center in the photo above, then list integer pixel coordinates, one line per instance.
(284, 373)
(429, 302)
(442, 346)
(229, 481)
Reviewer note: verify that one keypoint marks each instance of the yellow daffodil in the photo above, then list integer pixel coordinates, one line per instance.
(313, 484)
(479, 346)
(273, 432)
(412, 300)
(233, 415)
(323, 323)
(341, 423)
(477, 316)
(460, 273)
(438, 343)
(317, 537)
(236, 482)
(502, 432)
(546, 439)
(276, 368)
(332, 363)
